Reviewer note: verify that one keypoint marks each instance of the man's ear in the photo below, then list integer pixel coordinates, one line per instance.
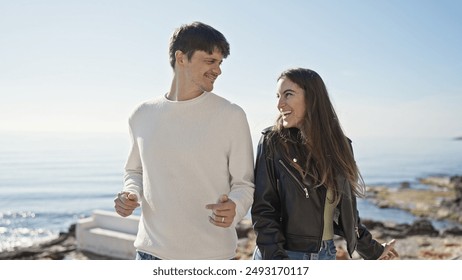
(180, 57)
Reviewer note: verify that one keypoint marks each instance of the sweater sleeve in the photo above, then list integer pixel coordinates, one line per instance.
(241, 166)
(133, 176)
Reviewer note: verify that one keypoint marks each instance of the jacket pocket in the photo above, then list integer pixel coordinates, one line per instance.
(295, 242)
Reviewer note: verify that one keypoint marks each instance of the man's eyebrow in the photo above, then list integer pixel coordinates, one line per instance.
(213, 59)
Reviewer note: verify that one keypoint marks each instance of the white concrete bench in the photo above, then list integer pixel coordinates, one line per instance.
(108, 234)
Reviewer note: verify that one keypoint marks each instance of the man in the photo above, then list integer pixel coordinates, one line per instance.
(191, 162)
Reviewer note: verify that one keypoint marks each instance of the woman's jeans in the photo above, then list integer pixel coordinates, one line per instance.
(328, 251)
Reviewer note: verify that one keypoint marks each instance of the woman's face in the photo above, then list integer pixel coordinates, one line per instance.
(291, 103)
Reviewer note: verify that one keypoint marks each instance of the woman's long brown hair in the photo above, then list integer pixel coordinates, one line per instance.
(328, 150)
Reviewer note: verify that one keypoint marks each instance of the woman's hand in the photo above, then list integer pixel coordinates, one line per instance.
(389, 253)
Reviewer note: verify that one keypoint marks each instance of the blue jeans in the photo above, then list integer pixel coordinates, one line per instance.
(145, 256)
(328, 251)
(148, 257)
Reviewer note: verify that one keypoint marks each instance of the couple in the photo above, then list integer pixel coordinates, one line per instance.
(191, 167)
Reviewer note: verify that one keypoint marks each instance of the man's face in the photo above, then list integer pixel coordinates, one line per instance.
(202, 70)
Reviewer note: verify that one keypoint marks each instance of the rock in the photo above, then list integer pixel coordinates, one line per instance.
(456, 182)
(421, 227)
(342, 254)
(442, 202)
(243, 228)
(53, 250)
(452, 231)
(405, 185)
(439, 181)
(451, 208)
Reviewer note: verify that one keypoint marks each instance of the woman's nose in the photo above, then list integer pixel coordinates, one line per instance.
(281, 103)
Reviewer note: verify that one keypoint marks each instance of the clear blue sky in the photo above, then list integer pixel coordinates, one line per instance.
(393, 68)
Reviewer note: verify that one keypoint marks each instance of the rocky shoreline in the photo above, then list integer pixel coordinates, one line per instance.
(442, 200)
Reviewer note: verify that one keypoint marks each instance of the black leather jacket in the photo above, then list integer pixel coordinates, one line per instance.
(287, 214)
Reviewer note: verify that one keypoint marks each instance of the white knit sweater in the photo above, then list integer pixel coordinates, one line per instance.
(185, 154)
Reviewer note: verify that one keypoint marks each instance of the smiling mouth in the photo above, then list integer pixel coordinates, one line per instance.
(285, 114)
(212, 78)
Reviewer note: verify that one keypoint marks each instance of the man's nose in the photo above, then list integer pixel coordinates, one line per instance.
(217, 70)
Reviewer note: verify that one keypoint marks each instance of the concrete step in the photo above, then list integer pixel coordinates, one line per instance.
(106, 233)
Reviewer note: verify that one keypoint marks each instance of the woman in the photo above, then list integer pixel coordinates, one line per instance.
(306, 179)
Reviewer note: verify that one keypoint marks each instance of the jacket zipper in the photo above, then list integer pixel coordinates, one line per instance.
(304, 189)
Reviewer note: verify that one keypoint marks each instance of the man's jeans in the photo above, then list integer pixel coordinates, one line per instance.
(145, 256)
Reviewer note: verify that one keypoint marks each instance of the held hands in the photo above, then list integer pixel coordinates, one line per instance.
(125, 203)
(223, 212)
(389, 253)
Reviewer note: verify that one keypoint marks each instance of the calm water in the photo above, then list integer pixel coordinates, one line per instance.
(49, 181)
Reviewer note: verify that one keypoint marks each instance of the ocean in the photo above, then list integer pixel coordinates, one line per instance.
(48, 180)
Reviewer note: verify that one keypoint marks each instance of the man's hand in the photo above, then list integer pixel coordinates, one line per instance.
(223, 212)
(125, 203)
